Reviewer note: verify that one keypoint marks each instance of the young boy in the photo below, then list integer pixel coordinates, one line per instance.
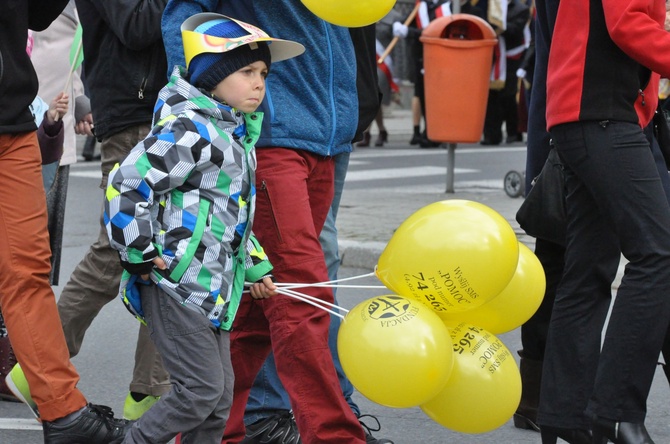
(179, 210)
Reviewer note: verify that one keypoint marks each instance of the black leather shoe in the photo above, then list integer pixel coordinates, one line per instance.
(95, 425)
(573, 436)
(415, 140)
(277, 428)
(619, 432)
(525, 423)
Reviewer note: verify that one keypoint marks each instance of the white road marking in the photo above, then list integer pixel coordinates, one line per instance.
(397, 173)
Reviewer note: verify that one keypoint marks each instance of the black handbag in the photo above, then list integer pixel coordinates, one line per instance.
(542, 213)
(662, 133)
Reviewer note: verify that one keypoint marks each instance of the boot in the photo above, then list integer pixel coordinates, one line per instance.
(381, 138)
(531, 376)
(366, 139)
(7, 362)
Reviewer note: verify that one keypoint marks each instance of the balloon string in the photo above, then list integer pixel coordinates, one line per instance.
(315, 299)
(306, 298)
(327, 285)
(330, 283)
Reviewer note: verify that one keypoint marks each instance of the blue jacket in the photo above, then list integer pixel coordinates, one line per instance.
(311, 101)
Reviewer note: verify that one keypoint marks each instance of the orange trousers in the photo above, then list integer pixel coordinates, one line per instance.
(26, 299)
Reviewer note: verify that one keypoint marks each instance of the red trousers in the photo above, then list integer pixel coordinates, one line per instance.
(294, 194)
(26, 299)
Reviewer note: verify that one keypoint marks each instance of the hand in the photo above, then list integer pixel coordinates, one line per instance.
(263, 288)
(158, 263)
(58, 107)
(85, 125)
(399, 30)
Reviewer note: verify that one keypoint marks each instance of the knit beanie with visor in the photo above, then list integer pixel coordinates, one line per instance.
(206, 70)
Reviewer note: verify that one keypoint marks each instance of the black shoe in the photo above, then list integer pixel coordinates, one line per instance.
(369, 439)
(416, 139)
(366, 139)
(425, 142)
(489, 142)
(88, 153)
(573, 436)
(514, 138)
(525, 423)
(276, 429)
(95, 425)
(381, 138)
(619, 432)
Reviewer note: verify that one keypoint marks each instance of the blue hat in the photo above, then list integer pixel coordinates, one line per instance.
(206, 70)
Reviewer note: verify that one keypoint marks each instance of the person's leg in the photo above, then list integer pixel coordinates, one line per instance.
(608, 209)
(268, 396)
(417, 106)
(198, 359)
(534, 335)
(95, 282)
(291, 211)
(416, 120)
(56, 200)
(492, 120)
(26, 297)
(328, 241)
(635, 203)
(383, 135)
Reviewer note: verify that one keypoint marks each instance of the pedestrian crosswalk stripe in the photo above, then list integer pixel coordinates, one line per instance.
(397, 173)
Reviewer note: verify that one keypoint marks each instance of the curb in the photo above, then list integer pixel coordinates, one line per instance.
(364, 255)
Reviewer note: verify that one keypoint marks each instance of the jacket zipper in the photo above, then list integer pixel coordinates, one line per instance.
(140, 93)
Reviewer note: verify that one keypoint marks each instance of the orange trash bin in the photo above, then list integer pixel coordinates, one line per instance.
(457, 60)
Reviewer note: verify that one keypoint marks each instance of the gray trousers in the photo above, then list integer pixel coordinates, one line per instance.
(197, 356)
(95, 282)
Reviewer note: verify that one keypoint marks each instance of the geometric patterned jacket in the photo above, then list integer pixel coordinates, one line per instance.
(187, 193)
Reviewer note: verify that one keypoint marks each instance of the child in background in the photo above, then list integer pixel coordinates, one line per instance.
(179, 210)
(49, 121)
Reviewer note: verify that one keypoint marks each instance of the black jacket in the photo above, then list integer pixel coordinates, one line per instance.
(518, 15)
(124, 61)
(18, 81)
(369, 96)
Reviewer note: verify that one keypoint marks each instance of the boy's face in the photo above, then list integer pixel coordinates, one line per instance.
(245, 88)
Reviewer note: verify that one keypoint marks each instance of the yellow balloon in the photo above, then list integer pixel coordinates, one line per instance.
(395, 351)
(515, 304)
(350, 13)
(452, 255)
(484, 388)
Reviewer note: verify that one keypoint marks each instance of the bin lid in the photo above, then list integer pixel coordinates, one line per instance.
(459, 27)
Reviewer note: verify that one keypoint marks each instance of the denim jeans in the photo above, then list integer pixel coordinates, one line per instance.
(267, 394)
(616, 205)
